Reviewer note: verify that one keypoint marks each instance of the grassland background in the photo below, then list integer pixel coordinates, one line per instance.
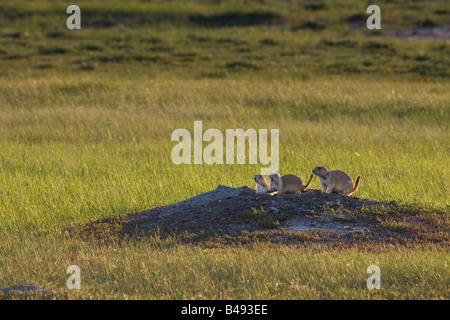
(86, 118)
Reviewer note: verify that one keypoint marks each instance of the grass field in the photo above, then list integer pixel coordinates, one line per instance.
(86, 118)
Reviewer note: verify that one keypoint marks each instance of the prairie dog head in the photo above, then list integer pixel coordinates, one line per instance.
(275, 178)
(262, 187)
(320, 171)
(259, 179)
(275, 182)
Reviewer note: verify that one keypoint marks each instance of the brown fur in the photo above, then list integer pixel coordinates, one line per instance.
(261, 184)
(336, 181)
(288, 183)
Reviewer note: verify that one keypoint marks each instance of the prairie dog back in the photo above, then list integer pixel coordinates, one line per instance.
(288, 183)
(291, 183)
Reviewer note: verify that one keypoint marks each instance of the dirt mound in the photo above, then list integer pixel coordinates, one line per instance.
(230, 211)
(238, 216)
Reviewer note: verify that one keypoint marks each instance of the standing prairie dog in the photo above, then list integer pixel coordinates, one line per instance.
(261, 184)
(336, 181)
(288, 183)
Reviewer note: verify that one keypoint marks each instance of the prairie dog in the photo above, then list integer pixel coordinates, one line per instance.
(288, 183)
(261, 184)
(336, 181)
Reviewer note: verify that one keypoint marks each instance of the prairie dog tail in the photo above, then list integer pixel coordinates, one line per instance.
(307, 185)
(356, 185)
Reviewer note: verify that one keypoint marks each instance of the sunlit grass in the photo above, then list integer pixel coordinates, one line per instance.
(72, 157)
(259, 272)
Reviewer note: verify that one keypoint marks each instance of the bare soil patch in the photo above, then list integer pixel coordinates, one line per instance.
(425, 32)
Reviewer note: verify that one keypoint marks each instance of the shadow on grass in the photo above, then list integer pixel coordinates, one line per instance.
(233, 19)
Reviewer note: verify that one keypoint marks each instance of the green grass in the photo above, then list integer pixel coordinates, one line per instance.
(74, 157)
(257, 272)
(86, 118)
(262, 218)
